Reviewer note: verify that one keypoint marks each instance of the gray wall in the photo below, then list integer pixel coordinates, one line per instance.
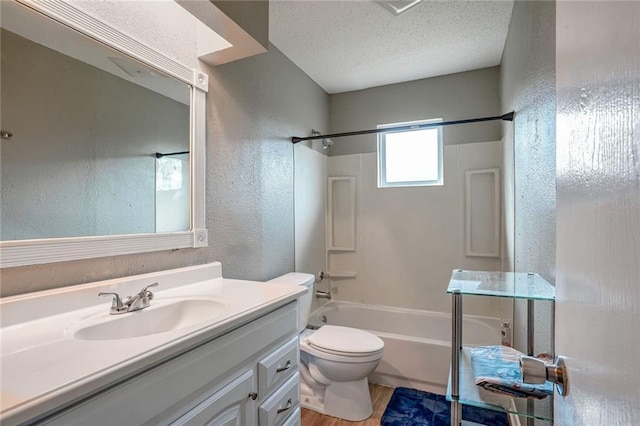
(251, 15)
(81, 160)
(258, 104)
(456, 96)
(254, 107)
(527, 84)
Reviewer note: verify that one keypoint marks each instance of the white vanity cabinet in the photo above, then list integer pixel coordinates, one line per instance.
(248, 376)
(231, 405)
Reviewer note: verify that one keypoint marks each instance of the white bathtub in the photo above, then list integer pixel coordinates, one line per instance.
(417, 350)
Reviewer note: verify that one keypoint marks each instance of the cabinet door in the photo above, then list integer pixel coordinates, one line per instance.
(231, 405)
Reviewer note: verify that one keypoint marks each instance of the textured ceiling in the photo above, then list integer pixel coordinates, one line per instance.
(355, 44)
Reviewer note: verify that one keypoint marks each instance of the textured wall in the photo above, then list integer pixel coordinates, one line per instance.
(527, 84)
(456, 96)
(598, 291)
(163, 24)
(252, 16)
(254, 107)
(258, 104)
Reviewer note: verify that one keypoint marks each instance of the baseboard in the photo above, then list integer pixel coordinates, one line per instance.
(397, 382)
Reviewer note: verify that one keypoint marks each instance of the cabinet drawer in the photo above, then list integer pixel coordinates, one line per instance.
(278, 366)
(275, 410)
(294, 419)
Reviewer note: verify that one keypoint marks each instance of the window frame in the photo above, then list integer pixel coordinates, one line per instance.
(381, 151)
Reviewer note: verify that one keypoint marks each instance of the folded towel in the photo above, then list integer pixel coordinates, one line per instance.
(497, 368)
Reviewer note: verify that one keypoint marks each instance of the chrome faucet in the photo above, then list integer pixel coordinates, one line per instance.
(132, 303)
(323, 294)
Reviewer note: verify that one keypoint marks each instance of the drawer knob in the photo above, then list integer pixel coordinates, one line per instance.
(285, 368)
(286, 407)
(253, 395)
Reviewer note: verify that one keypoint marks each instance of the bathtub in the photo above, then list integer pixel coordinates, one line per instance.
(417, 351)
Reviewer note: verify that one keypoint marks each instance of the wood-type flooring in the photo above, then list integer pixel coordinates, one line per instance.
(380, 396)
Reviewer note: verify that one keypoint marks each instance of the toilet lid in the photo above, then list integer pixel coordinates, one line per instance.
(345, 340)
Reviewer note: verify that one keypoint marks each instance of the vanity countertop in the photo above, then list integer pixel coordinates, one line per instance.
(44, 365)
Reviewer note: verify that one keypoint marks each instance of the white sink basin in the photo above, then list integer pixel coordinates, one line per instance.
(164, 317)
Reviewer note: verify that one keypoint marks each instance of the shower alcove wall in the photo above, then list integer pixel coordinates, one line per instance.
(396, 246)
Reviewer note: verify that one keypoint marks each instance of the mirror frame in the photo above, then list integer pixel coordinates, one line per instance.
(50, 250)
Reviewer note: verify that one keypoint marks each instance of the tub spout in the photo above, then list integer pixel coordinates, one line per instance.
(323, 294)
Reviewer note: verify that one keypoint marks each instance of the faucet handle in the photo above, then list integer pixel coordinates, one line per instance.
(116, 305)
(146, 293)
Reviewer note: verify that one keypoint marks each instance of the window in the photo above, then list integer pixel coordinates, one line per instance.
(410, 157)
(168, 174)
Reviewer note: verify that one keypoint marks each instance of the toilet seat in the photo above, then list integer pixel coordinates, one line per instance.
(351, 358)
(342, 344)
(346, 354)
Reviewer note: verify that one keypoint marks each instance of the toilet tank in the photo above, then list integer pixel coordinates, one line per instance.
(304, 302)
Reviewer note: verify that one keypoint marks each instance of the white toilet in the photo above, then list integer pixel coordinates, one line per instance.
(335, 362)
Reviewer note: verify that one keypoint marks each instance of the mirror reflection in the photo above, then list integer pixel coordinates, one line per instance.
(87, 124)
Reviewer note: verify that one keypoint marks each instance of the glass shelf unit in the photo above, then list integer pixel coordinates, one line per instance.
(471, 394)
(515, 285)
(462, 389)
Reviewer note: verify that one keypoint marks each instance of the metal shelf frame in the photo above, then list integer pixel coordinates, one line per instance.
(515, 285)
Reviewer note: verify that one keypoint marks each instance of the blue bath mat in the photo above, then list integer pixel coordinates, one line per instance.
(411, 407)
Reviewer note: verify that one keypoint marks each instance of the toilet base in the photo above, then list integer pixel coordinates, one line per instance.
(344, 400)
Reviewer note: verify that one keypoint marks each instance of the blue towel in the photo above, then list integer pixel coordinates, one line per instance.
(497, 368)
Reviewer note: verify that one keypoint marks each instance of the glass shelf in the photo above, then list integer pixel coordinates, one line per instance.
(471, 394)
(516, 285)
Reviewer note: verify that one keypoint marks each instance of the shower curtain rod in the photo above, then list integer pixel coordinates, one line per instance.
(160, 155)
(506, 117)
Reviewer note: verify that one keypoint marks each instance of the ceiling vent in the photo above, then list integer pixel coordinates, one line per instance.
(398, 6)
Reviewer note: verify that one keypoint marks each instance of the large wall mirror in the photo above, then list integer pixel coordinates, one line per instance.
(102, 150)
